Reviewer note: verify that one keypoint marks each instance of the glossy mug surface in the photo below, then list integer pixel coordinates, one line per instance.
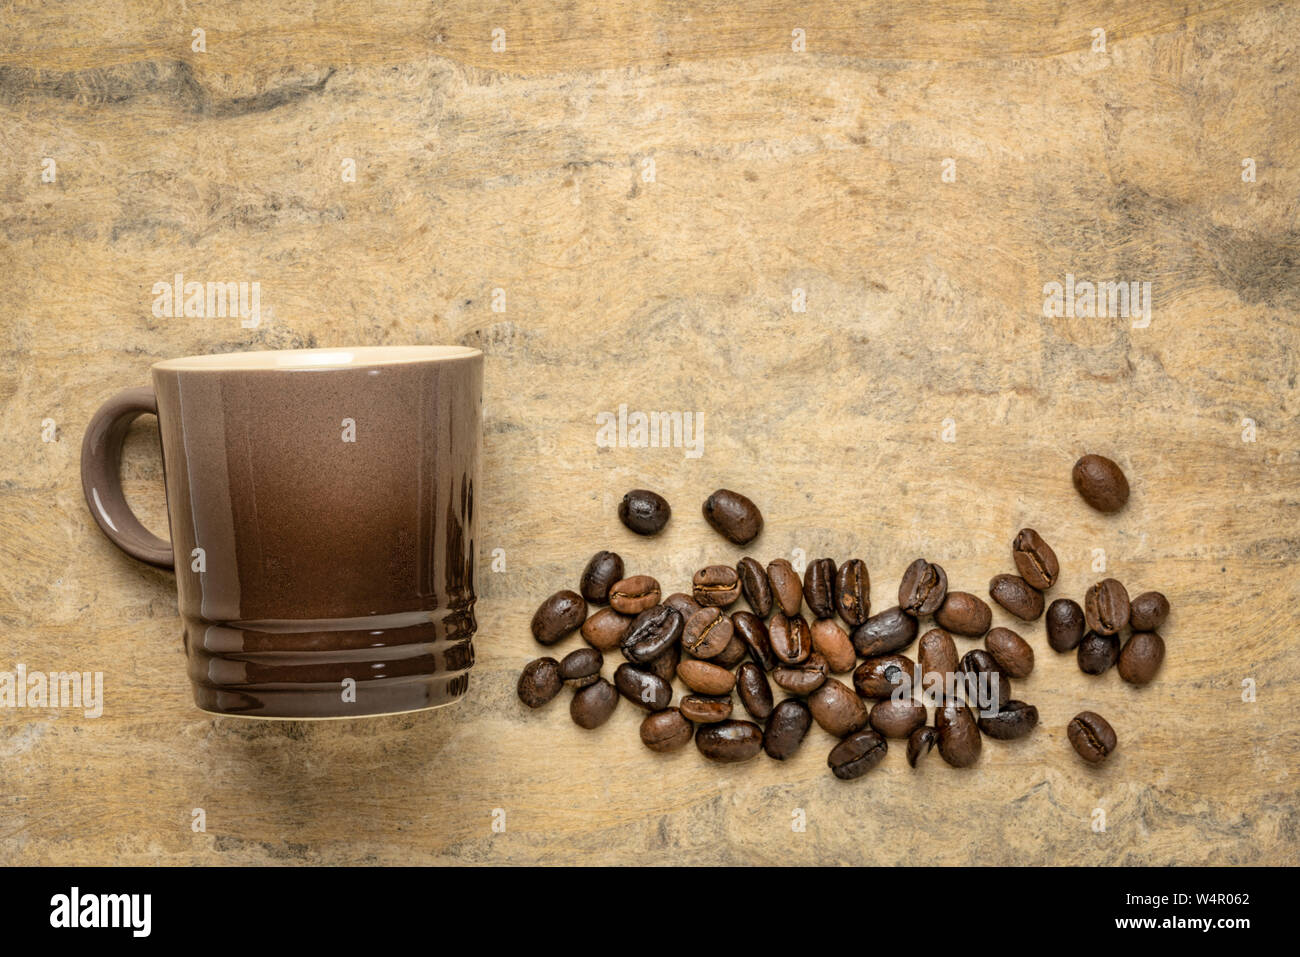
(322, 512)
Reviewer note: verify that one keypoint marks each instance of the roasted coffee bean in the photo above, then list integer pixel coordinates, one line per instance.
(1035, 559)
(1015, 719)
(1148, 611)
(731, 655)
(666, 730)
(833, 643)
(706, 709)
(684, 603)
(707, 633)
(582, 682)
(959, 735)
(939, 663)
(1092, 736)
(857, 754)
(819, 587)
(665, 665)
(582, 663)
(877, 677)
(853, 592)
(1097, 653)
(643, 688)
(754, 690)
(964, 614)
(787, 591)
(592, 706)
(1106, 607)
(920, 743)
(897, 717)
(652, 633)
(644, 512)
(706, 678)
(1013, 654)
(803, 678)
(558, 617)
(1017, 596)
(601, 572)
(786, 728)
(790, 638)
(753, 633)
(837, 709)
(985, 683)
(733, 516)
(1100, 483)
(891, 630)
(716, 586)
(605, 629)
(923, 588)
(755, 586)
(540, 682)
(1141, 657)
(1065, 625)
(633, 595)
(730, 741)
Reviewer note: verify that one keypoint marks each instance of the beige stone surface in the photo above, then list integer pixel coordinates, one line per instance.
(526, 171)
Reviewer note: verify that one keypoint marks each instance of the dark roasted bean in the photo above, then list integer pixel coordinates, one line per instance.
(684, 604)
(986, 685)
(1035, 559)
(601, 572)
(644, 512)
(559, 616)
(753, 633)
(891, 630)
(1097, 653)
(1092, 736)
(582, 663)
(707, 709)
(837, 709)
(790, 638)
(920, 743)
(1065, 625)
(707, 633)
(716, 586)
(1100, 483)
(787, 592)
(819, 587)
(643, 688)
(1141, 657)
(1015, 719)
(592, 706)
(877, 677)
(755, 586)
(939, 663)
(853, 592)
(1106, 607)
(959, 735)
(897, 717)
(833, 643)
(652, 633)
(803, 678)
(666, 730)
(665, 665)
(731, 655)
(633, 595)
(1148, 611)
(1013, 654)
(923, 588)
(964, 614)
(540, 682)
(706, 678)
(857, 754)
(786, 728)
(733, 516)
(730, 741)
(605, 629)
(754, 690)
(1017, 596)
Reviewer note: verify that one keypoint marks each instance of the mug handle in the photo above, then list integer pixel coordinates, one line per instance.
(101, 477)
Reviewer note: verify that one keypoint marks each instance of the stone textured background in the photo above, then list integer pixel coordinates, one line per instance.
(775, 170)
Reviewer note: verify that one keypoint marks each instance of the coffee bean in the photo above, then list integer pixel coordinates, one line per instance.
(1106, 607)
(706, 709)
(1141, 657)
(1148, 611)
(582, 681)
(1097, 653)
(733, 516)
(601, 572)
(790, 638)
(592, 706)
(819, 587)
(644, 512)
(652, 633)
(559, 616)
(716, 586)
(853, 592)
(643, 688)
(707, 633)
(857, 754)
(882, 634)
(986, 685)
(540, 682)
(787, 592)
(959, 735)
(803, 678)
(833, 643)
(1065, 625)
(666, 730)
(1012, 653)
(877, 677)
(786, 728)
(1100, 483)
(1092, 736)
(1035, 559)
(706, 678)
(730, 741)
(755, 586)
(582, 663)
(684, 603)
(665, 664)
(754, 690)
(1015, 719)
(939, 663)
(964, 614)
(837, 709)
(633, 595)
(923, 588)
(1017, 596)
(605, 629)
(751, 630)
(920, 743)
(897, 717)
(731, 655)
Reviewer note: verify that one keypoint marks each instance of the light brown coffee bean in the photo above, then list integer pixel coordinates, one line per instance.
(716, 586)
(1141, 657)
(790, 638)
(803, 678)
(1091, 736)
(706, 709)
(633, 595)
(1034, 559)
(897, 717)
(1017, 596)
(833, 643)
(1012, 653)
(939, 662)
(837, 709)
(706, 678)
(707, 633)
(964, 614)
(1106, 607)
(733, 516)
(1100, 483)
(666, 730)
(754, 690)
(605, 629)
(787, 590)
(959, 735)
(877, 677)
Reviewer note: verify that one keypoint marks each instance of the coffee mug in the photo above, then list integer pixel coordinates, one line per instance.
(321, 508)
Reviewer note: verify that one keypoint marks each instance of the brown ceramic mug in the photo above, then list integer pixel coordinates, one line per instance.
(321, 507)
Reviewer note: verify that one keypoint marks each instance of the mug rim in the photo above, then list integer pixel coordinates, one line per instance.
(314, 360)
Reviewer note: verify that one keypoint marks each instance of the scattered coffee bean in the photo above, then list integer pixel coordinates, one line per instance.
(897, 717)
(755, 586)
(1035, 559)
(707, 633)
(601, 572)
(1092, 736)
(1013, 654)
(1106, 607)
(1100, 483)
(819, 587)
(1015, 719)
(920, 743)
(751, 630)
(853, 592)
(684, 603)
(939, 662)
(964, 614)
(644, 512)
(665, 664)
(1065, 625)
(786, 728)
(643, 688)
(985, 682)
(787, 591)
(633, 595)
(731, 655)
(733, 516)
(1017, 596)
(706, 678)
(833, 643)
(754, 690)
(605, 629)
(803, 678)
(716, 586)
(582, 663)
(891, 630)
(857, 754)
(877, 677)
(923, 588)
(1148, 611)
(559, 616)
(729, 741)
(652, 633)
(592, 706)
(1141, 657)
(959, 735)
(790, 638)
(1097, 653)
(837, 709)
(540, 682)
(706, 709)
(666, 730)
